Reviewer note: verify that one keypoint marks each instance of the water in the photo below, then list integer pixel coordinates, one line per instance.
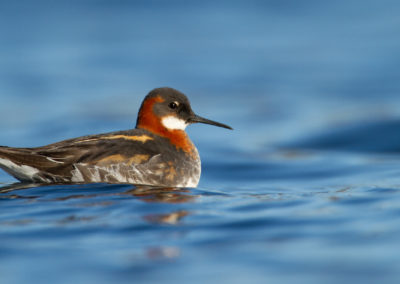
(305, 189)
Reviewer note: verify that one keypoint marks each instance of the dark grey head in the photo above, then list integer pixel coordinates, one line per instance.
(171, 109)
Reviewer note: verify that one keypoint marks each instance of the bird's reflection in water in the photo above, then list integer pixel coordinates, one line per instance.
(169, 218)
(160, 253)
(161, 194)
(9, 191)
(139, 192)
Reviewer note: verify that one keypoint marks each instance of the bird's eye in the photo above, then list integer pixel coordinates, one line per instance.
(173, 105)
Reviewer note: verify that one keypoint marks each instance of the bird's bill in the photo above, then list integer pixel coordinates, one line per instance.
(199, 119)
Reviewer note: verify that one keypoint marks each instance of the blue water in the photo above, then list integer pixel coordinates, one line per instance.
(306, 189)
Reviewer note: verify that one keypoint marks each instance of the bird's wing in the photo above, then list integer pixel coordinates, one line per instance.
(57, 161)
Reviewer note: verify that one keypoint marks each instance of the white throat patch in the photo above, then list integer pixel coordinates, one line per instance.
(172, 122)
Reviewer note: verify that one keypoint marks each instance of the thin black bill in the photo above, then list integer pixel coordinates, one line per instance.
(199, 119)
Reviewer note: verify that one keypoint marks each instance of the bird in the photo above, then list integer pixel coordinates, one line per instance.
(157, 152)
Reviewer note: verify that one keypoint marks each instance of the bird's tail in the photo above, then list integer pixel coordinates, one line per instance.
(18, 163)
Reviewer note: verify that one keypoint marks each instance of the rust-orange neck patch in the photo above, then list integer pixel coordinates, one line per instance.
(151, 122)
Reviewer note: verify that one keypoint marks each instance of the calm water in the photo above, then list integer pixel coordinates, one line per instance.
(305, 189)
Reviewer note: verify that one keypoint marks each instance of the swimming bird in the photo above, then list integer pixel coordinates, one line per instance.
(157, 152)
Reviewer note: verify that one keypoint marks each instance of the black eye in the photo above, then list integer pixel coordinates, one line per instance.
(173, 105)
